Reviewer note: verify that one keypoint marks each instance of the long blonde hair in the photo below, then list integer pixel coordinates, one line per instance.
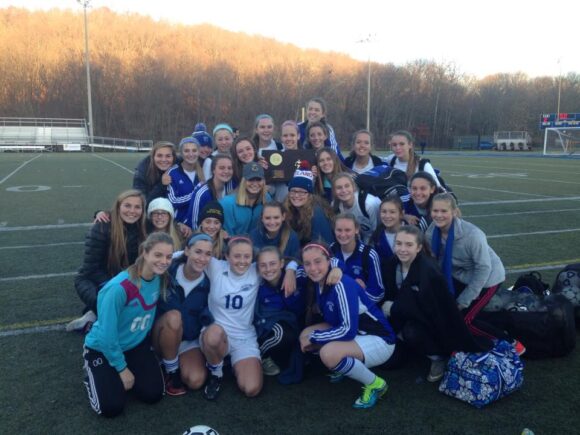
(136, 269)
(242, 194)
(118, 257)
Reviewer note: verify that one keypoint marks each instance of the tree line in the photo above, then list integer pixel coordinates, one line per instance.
(155, 80)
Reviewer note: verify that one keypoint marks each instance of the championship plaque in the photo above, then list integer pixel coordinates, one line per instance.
(283, 164)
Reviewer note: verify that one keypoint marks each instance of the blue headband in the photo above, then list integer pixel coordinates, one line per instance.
(197, 238)
(222, 126)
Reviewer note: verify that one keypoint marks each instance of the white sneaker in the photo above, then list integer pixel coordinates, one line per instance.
(81, 322)
(269, 367)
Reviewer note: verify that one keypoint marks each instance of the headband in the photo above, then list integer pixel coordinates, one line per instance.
(236, 238)
(222, 126)
(319, 246)
(198, 237)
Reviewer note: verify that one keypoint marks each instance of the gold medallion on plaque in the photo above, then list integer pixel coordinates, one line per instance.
(276, 159)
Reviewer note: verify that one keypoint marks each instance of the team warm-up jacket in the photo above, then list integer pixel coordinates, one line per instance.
(349, 161)
(93, 273)
(368, 270)
(140, 182)
(180, 190)
(200, 196)
(194, 309)
(340, 305)
(126, 315)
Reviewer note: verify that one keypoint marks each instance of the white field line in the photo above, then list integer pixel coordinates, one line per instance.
(466, 174)
(534, 168)
(517, 213)
(499, 190)
(25, 277)
(520, 201)
(502, 236)
(32, 330)
(44, 227)
(114, 163)
(46, 245)
(18, 169)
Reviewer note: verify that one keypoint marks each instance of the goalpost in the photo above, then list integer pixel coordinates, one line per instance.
(561, 141)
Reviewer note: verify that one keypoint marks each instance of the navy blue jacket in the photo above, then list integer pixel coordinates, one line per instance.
(140, 182)
(194, 310)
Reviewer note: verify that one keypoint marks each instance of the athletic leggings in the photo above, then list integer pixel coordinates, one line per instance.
(476, 325)
(279, 343)
(107, 395)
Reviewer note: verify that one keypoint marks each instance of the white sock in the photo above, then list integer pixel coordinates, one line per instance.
(355, 369)
(171, 365)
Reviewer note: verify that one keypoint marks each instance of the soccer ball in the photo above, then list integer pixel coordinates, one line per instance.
(200, 430)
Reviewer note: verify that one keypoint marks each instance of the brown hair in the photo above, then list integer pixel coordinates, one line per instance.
(153, 173)
(118, 257)
(236, 162)
(414, 158)
(136, 269)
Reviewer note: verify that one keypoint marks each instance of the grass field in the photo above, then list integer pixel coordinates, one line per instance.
(529, 207)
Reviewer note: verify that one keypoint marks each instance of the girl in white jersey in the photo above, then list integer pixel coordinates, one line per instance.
(232, 299)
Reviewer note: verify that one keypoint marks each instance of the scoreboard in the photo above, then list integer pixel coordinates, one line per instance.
(559, 120)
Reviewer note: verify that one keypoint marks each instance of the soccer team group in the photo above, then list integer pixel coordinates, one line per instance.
(203, 261)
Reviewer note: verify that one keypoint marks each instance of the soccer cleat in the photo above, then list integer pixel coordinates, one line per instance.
(174, 385)
(437, 370)
(336, 377)
(520, 348)
(81, 323)
(212, 387)
(371, 394)
(269, 367)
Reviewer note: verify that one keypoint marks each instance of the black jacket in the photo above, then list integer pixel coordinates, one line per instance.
(424, 298)
(93, 273)
(349, 161)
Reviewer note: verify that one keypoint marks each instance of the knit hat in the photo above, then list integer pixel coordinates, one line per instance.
(160, 204)
(200, 126)
(214, 210)
(222, 126)
(204, 138)
(303, 178)
(252, 170)
(187, 139)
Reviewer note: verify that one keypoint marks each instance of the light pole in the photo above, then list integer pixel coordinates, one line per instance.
(368, 40)
(85, 4)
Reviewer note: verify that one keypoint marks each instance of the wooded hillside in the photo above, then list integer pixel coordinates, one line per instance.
(155, 80)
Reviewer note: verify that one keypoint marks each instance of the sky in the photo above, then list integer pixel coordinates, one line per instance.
(479, 38)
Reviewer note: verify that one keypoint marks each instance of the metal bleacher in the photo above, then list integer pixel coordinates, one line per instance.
(37, 134)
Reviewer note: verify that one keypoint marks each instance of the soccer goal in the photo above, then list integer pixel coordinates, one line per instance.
(561, 141)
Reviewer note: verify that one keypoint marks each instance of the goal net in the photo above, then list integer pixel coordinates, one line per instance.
(561, 141)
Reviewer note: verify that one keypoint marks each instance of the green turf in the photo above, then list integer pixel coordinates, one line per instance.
(41, 389)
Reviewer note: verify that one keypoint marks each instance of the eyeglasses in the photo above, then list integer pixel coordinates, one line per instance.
(299, 193)
(159, 213)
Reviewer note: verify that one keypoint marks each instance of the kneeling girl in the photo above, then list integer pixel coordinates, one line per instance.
(355, 335)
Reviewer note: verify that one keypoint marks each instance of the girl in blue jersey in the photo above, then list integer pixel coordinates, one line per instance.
(418, 209)
(151, 174)
(184, 177)
(117, 353)
(354, 336)
(273, 230)
(361, 158)
(219, 185)
(361, 261)
(278, 318)
(182, 315)
(391, 216)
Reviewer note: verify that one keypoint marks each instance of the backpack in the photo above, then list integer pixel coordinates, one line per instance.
(567, 284)
(531, 282)
(482, 378)
(382, 181)
(422, 163)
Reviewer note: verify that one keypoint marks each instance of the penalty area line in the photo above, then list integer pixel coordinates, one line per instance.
(114, 163)
(18, 169)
